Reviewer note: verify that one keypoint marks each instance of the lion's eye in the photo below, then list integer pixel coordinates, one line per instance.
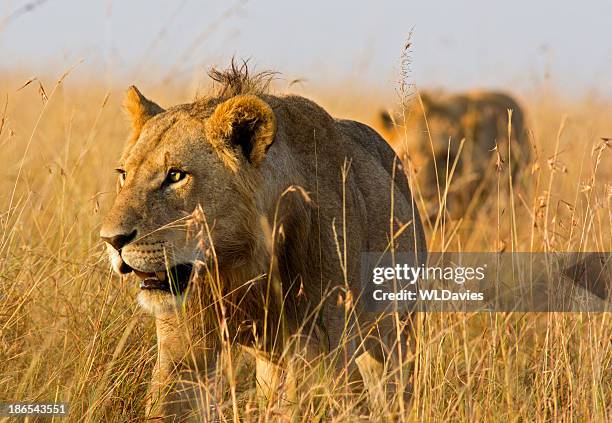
(175, 175)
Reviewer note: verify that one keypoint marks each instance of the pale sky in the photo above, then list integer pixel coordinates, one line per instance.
(519, 44)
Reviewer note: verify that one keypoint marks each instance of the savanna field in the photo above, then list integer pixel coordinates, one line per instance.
(71, 330)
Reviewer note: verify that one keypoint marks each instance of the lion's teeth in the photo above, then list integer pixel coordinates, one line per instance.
(161, 275)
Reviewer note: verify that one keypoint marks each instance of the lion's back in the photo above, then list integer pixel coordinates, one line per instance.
(383, 184)
(490, 111)
(345, 163)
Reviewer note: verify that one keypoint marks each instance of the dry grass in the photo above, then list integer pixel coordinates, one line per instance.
(71, 331)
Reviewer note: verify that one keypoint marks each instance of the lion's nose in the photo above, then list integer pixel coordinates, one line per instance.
(119, 241)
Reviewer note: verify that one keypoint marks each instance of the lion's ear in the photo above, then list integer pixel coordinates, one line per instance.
(246, 123)
(139, 108)
(387, 121)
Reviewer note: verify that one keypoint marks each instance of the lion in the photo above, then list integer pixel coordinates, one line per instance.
(431, 131)
(283, 198)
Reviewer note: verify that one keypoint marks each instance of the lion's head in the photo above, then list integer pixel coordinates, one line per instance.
(203, 154)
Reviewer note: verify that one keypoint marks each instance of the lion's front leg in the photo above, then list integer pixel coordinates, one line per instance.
(280, 376)
(386, 366)
(183, 383)
(180, 393)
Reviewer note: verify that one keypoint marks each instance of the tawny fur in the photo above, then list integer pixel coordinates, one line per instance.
(270, 204)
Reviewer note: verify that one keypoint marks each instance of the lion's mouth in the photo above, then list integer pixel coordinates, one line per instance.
(174, 281)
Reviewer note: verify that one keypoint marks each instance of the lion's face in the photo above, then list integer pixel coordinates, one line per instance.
(178, 162)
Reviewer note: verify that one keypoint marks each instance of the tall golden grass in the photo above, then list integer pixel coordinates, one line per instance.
(71, 331)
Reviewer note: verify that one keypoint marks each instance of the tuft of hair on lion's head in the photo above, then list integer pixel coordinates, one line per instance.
(202, 154)
(238, 80)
